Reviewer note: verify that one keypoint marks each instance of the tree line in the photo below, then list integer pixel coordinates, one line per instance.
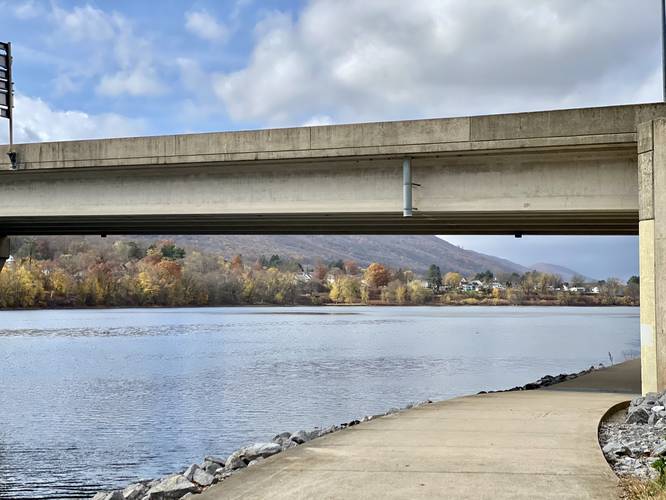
(126, 273)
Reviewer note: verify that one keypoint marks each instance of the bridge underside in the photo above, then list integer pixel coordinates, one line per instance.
(517, 223)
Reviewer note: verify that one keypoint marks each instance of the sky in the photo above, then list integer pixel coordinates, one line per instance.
(88, 69)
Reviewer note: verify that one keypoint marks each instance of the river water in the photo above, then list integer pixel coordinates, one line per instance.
(91, 399)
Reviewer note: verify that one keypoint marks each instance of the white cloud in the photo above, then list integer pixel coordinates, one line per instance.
(27, 10)
(202, 24)
(37, 121)
(122, 61)
(87, 23)
(356, 61)
(139, 81)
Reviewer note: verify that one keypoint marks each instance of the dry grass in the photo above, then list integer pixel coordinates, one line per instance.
(637, 489)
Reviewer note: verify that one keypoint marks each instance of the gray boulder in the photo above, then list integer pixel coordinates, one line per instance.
(236, 460)
(198, 476)
(638, 415)
(212, 463)
(615, 449)
(189, 472)
(171, 488)
(300, 437)
(333, 428)
(282, 436)
(282, 441)
(659, 450)
(109, 495)
(135, 491)
(651, 398)
(203, 478)
(214, 459)
(240, 458)
(222, 474)
(263, 450)
(289, 444)
(210, 467)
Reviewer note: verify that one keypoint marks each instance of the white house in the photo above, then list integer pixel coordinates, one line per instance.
(304, 277)
(10, 262)
(472, 286)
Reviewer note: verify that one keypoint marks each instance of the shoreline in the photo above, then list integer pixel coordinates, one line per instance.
(289, 306)
(197, 478)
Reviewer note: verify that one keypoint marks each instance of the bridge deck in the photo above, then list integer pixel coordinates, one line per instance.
(552, 172)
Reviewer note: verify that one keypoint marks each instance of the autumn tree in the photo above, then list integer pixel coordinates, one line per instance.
(346, 289)
(452, 279)
(128, 250)
(376, 275)
(394, 292)
(418, 294)
(237, 264)
(351, 267)
(320, 271)
(612, 287)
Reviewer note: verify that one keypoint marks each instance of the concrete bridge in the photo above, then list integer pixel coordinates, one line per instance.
(583, 171)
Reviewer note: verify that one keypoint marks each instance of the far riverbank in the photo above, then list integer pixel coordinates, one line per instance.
(580, 301)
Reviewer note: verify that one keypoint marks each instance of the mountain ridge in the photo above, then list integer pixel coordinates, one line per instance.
(412, 252)
(564, 272)
(415, 252)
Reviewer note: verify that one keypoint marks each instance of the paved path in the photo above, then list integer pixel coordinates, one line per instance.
(527, 444)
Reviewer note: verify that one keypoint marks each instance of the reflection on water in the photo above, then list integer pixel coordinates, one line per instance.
(95, 399)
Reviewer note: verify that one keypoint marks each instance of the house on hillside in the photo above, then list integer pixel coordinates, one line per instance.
(303, 277)
(471, 286)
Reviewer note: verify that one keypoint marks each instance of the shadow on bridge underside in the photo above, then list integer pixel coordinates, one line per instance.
(525, 222)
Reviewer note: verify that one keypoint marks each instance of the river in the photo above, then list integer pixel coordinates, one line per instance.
(92, 399)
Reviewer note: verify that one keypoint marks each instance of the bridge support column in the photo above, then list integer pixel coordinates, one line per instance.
(652, 231)
(4, 250)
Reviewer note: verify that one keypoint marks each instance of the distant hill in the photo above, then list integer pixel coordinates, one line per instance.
(564, 272)
(408, 252)
(412, 252)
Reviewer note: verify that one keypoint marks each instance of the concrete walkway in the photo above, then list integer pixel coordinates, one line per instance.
(527, 444)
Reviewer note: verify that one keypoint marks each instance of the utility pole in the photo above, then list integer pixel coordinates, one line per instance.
(7, 95)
